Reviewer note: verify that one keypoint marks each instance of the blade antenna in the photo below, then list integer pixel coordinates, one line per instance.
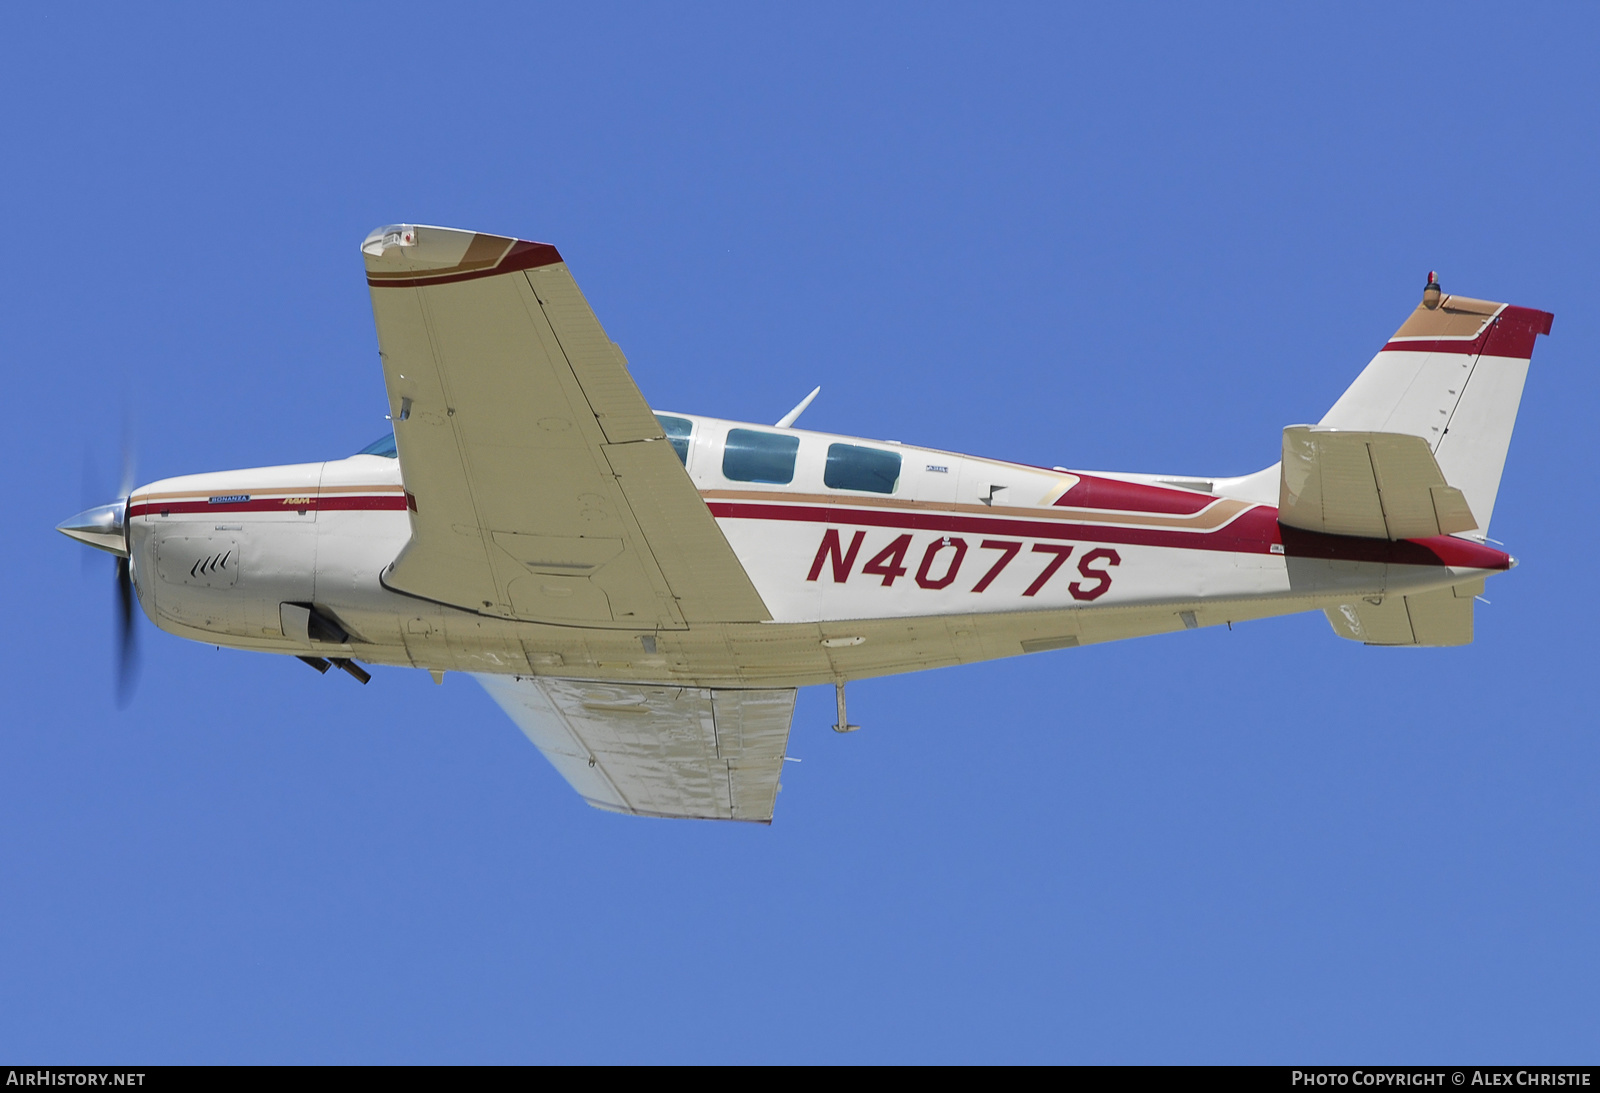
(793, 415)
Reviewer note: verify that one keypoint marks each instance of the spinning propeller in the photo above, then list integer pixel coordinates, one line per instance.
(105, 527)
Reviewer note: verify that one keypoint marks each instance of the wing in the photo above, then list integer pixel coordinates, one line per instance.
(685, 752)
(539, 482)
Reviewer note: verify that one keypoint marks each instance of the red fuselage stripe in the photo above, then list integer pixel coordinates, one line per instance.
(1092, 492)
(1254, 532)
(386, 502)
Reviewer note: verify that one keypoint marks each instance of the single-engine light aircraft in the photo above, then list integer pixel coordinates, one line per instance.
(643, 591)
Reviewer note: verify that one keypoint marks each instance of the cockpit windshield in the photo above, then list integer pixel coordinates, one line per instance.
(383, 446)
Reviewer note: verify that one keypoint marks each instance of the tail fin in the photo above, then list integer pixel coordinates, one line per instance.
(1453, 375)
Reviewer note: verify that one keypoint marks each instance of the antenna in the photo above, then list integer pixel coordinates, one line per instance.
(789, 419)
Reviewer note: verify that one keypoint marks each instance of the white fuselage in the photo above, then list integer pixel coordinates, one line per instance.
(872, 558)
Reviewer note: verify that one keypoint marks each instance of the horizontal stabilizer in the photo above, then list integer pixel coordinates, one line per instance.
(1442, 617)
(1372, 485)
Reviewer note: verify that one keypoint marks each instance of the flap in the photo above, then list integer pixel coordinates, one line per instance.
(1372, 485)
(656, 750)
(539, 483)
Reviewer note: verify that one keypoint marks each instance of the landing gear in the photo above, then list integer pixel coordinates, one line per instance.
(344, 664)
(351, 668)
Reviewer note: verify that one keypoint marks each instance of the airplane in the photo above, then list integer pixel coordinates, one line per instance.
(644, 592)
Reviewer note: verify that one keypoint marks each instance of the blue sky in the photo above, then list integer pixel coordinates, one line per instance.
(1142, 239)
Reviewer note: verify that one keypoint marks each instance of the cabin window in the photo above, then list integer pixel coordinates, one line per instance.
(752, 456)
(677, 430)
(852, 467)
(383, 446)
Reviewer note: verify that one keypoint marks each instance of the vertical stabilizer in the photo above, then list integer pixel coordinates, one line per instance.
(1453, 375)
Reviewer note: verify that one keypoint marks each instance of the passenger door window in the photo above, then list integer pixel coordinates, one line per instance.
(753, 456)
(852, 467)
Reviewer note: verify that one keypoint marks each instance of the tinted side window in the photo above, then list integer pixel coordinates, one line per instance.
(751, 456)
(383, 446)
(677, 430)
(852, 467)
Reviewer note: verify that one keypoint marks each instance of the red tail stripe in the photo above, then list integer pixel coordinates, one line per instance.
(1510, 334)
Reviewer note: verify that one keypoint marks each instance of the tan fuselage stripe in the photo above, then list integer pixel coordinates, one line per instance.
(304, 491)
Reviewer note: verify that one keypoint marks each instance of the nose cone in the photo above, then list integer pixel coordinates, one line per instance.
(101, 527)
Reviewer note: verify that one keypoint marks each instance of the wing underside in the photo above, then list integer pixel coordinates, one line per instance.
(682, 752)
(539, 483)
